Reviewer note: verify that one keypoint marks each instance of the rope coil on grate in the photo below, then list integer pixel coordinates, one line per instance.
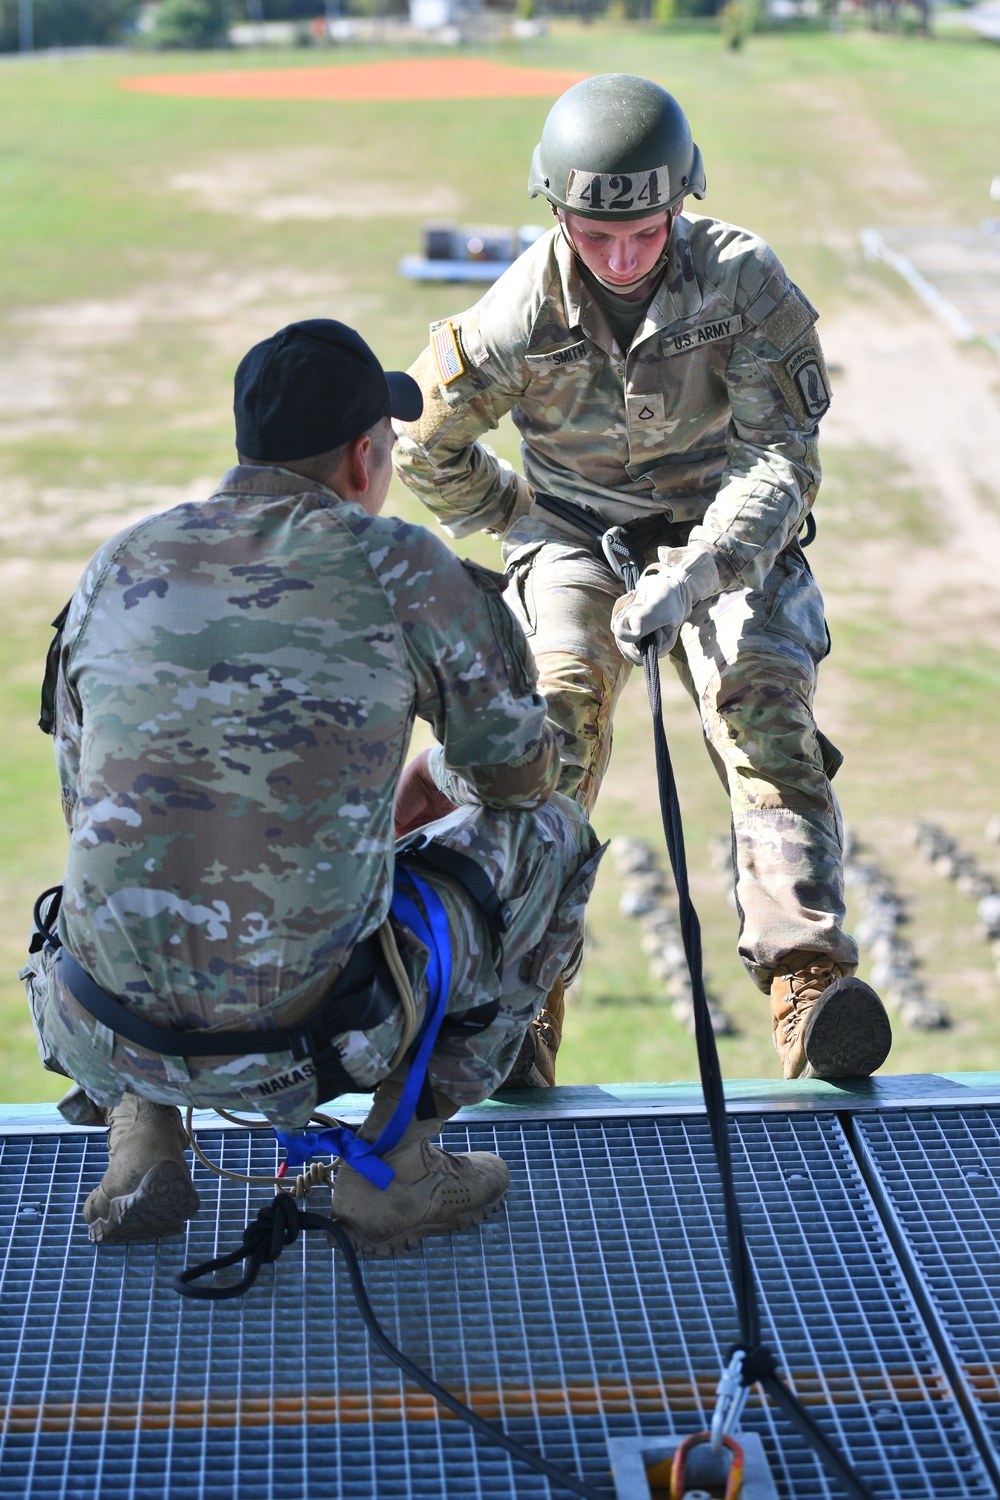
(278, 1224)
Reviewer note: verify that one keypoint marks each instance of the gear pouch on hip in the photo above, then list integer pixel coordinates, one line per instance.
(794, 604)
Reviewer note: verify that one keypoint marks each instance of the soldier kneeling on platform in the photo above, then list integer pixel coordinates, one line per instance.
(231, 693)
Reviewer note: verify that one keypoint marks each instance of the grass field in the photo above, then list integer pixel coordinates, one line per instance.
(148, 241)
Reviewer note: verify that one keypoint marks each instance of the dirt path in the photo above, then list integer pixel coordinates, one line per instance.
(906, 389)
(403, 79)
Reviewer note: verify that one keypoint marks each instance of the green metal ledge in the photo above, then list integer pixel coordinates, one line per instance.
(743, 1096)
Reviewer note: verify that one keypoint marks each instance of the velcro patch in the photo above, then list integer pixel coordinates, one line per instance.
(566, 356)
(788, 322)
(705, 333)
(615, 193)
(447, 354)
(767, 301)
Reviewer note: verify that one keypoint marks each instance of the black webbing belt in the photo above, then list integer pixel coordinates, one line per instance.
(641, 535)
(363, 995)
(441, 859)
(302, 1040)
(622, 545)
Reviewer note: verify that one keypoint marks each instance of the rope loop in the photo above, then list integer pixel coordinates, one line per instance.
(276, 1225)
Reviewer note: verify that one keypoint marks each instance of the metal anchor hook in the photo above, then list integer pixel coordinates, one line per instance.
(730, 1398)
(711, 1477)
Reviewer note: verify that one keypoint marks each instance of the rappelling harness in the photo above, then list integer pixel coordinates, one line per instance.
(416, 905)
(624, 547)
(369, 989)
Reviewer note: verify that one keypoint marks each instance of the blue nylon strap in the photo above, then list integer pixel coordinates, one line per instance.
(415, 905)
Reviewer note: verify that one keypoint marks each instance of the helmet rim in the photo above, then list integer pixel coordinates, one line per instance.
(616, 147)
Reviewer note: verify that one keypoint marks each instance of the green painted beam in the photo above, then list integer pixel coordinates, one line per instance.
(743, 1096)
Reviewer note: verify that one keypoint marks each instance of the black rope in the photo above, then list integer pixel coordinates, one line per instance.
(760, 1364)
(278, 1224)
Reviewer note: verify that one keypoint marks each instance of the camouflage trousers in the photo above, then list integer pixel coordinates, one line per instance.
(542, 865)
(749, 660)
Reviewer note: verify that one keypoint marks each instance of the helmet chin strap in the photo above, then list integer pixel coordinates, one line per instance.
(620, 286)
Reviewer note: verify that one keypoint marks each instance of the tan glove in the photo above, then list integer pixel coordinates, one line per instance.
(666, 594)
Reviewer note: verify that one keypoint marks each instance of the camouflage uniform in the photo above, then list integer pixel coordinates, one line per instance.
(237, 687)
(709, 421)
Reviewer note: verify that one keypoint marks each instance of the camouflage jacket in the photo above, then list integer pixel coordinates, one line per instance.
(709, 418)
(237, 685)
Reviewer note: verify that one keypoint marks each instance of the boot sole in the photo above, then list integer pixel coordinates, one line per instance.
(409, 1239)
(848, 1034)
(162, 1204)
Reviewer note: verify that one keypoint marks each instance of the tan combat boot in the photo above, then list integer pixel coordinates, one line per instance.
(826, 1026)
(535, 1064)
(147, 1190)
(432, 1192)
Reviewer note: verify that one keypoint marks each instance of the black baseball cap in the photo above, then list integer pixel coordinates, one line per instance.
(311, 387)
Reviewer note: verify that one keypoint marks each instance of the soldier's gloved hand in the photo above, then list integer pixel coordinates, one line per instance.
(663, 599)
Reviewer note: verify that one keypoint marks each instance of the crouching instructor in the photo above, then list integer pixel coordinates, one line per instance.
(232, 698)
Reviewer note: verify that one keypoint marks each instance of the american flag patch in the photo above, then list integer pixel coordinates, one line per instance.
(447, 355)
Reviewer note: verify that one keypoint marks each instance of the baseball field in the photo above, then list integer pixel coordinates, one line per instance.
(158, 214)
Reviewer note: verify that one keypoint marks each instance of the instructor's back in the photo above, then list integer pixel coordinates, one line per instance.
(237, 683)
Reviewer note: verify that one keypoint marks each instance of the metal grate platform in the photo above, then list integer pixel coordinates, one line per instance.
(936, 1176)
(594, 1305)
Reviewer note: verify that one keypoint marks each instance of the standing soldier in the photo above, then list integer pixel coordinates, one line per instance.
(666, 378)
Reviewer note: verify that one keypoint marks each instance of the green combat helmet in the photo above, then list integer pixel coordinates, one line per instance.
(616, 147)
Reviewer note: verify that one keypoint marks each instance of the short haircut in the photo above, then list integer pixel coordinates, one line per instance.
(319, 466)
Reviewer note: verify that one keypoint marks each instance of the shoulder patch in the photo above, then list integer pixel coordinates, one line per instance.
(47, 715)
(807, 372)
(803, 382)
(447, 354)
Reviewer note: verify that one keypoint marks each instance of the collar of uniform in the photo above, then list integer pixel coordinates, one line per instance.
(572, 283)
(679, 295)
(269, 479)
(580, 308)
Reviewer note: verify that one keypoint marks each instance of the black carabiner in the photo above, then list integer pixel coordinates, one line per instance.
(622, 560)
(42, 935)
